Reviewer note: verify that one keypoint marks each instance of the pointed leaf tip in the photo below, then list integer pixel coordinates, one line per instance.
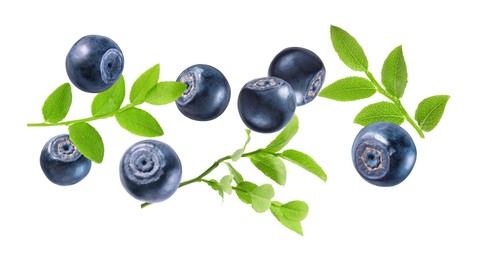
(429, 112)
(394, 73)
(348, 49)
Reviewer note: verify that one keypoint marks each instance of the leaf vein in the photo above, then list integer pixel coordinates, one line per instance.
(57, 104)
(424, 121)
(351, 52)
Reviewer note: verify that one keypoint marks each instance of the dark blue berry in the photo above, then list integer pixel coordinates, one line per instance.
(207, 94)
(267, 104)
(383, 154)
(62, 163)
(302, 69)
(150, 171)
(94, 63)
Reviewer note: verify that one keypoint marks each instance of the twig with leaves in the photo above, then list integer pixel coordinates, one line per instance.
(269, 161)
(146, 89)
(394, 79)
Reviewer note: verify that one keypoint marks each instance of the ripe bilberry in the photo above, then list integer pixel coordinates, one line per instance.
(62, 163)
(94, 63)
(302, 69)
(150, 171)
(267, 104)
(207, 94)
(383, 154)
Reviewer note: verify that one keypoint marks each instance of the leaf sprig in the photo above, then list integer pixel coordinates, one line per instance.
(146, 89)
(393, 77)
(269, 161)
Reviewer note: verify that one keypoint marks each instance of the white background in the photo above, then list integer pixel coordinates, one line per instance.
(431, 214)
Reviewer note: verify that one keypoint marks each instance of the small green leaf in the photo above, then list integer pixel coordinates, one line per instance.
(291, 224)
(348, 49)
(57, 104)
(144, 84)
(225, 183)
(271, 166)
(237, 176)
(349, 89)
(379, 112)
(305, 161)
(215, 185)
(295, 210)
(394, 73)
(429, 112)
(139, 122)
(87, 140)
(284, 137)
(238, 154)
(109, 100)
(165, 92)
(262, 198)
(244, 190)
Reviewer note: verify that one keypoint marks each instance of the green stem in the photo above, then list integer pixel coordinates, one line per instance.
(83, 120)
(379, 88)
(257, 151)
(215, 165)
(206, 172)
(206, 181)
(409, 119)
(396, 101)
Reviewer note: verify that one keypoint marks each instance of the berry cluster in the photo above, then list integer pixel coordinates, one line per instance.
(150, 170)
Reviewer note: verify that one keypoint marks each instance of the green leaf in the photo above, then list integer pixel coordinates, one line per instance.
(244, 190)
(215, 185)
(237, 176)
(238, 154)
(394, 73)
(109, 100)
(429, 112)
(262, 198)
(379, 112)
(139, 122)
(305, 161)
(225, 183)
(295, 210)
(271, 166)
(348, 49)
(284, 137)
(144, 84)
(291, 224)
(87, 140)
(57, 104)
(349, 89)
(165, 92)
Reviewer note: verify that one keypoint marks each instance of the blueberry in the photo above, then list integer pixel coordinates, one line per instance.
(383, 154)
(62, 163)
(302, 69)
(150, 171)
(207, 94)
(267, 104)
(94, 63)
